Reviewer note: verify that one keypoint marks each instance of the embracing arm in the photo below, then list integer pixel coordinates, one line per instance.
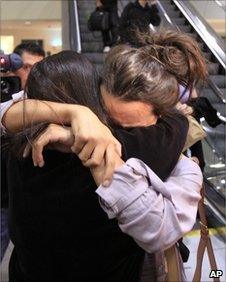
(159, 146)
(28, 111)
(155, 213)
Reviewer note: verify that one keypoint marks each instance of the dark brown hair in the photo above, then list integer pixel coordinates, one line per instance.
(151, 71)
(66, 77)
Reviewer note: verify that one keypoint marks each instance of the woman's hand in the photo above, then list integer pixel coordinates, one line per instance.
(103, 173)
(61, 139)
(92, 137)
(55, 137)
(184, 108)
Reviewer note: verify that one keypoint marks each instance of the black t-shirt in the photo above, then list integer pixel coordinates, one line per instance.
(109, 3)
(58, 228)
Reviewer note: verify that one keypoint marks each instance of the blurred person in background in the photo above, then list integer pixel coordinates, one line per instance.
(30, 53)
(110, 36)
(138, 15)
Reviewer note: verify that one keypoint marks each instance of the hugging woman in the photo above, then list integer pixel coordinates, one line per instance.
(57, 225)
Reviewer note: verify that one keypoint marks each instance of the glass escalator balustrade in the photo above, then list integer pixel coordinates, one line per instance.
(215, 167)
(213, 12)
(183, 16)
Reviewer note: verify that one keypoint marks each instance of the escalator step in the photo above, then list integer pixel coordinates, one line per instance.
(219, 80)
(83, 20)
(184, 28)
(201, 45)
(92, 47)
(169, 8)
(84, 28)
(167, 5)
(207, 55)
(86, 4)
(194, 35)
(173, 14)
(84, 13)
(91, 37)
(218, 131)
(179, 21)
(220, 107)
(213, 68)
(209, 93)
(96, 58)
(217, 138)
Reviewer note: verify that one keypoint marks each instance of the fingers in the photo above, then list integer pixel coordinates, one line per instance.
(27, 150)
(109, 165)
(118, 148)
(78, 145)
(86, 152)
(37, 149)
(96, 158)
(112, 161)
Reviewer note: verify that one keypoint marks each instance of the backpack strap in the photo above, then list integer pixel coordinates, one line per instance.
(204, 242)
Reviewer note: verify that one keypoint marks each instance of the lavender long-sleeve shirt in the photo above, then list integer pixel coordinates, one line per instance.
(155, 213)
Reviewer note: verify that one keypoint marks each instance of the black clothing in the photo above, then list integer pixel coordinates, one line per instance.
(197, 151)
(58, 228)
(203, 108)
(109, 3)
(135, 16)
(159, 141)
(110, 36)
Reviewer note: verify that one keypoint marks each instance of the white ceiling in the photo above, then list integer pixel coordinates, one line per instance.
(30, 10)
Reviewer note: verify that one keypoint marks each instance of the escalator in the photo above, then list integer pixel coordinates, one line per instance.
(91, 42)
(182, 15)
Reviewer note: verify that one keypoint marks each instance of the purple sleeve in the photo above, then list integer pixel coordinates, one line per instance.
(155, 213)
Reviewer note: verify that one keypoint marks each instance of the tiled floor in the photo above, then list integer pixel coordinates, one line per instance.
(191, 241)
(219, 247)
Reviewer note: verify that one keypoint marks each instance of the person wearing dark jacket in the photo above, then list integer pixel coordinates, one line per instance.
(138, 15)
(110, 36)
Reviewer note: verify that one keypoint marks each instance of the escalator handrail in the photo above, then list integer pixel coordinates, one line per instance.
(77, 44)
(221, 5)
(215, 211)
(215, 89)
(164, 13)
(206, 32)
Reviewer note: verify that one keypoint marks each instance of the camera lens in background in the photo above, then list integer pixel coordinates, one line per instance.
(9, 86)
(11, 62)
